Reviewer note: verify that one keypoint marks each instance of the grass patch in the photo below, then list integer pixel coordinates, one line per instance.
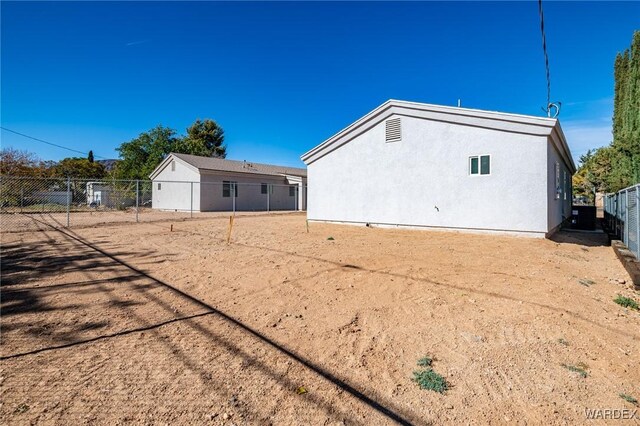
(629, 398)
(577, 369)
(563, 342)
(22, 408)
(425, 361)
(626, 302)
(430, 380)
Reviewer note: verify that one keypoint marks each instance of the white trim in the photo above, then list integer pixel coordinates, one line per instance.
(165, 163)
(537, 126)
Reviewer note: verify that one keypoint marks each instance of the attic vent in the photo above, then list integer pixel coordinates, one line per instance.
(393, 130)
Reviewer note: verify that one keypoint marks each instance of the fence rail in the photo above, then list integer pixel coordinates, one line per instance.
(622, 216)
(30, 203)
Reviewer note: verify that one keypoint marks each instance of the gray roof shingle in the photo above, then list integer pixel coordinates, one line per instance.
(221, 164)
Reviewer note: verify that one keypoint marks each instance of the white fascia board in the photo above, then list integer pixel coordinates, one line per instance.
(167, 161)
(539, 126)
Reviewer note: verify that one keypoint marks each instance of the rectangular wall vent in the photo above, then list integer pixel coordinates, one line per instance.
(393, 130)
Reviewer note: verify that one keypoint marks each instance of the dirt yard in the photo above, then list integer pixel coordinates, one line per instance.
(137, 324)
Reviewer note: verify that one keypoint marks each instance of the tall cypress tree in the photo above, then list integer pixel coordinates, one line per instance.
(617, 166)
(626, 118)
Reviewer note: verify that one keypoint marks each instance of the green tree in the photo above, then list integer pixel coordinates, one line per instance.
(140, 156)
(617, 166)
(205, 138)
(90, 156)
(79, 168)
(626, 117)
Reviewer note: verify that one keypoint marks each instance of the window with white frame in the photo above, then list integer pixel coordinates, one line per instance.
(173, 165)
(228, 187)
(480, 165)
(264, 187)
(558, 187)
(159, 186)
(292, 191)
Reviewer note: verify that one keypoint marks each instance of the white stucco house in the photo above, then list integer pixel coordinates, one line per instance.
(420, 165)
(185, 182)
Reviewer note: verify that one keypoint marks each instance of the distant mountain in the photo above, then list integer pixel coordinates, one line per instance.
(108, 164)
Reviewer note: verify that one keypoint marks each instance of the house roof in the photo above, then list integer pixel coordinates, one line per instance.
(223, 165)
(514, 123)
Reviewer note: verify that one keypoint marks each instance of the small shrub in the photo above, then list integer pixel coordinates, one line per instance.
(430, 380)
(626, 302)
(425, 362)
(330, 239)
(629, 398)
(563, 342)
(581, 371)
(22, 408)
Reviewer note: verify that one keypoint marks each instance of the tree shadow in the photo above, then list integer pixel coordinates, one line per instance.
(373, 401)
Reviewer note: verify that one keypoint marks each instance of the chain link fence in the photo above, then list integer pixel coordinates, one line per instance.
(622, 216)
(38, 203)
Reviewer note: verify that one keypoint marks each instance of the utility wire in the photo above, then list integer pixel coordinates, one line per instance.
(546, 57)
(49, 143)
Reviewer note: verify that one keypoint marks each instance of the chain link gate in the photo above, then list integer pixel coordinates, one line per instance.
(622, 216)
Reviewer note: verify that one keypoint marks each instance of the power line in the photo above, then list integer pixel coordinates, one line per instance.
(546, 56)
(49, 143)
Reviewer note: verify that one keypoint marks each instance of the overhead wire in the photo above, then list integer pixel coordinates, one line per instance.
(546, 57)
(49, 143)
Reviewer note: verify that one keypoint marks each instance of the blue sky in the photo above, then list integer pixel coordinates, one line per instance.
(282, 77)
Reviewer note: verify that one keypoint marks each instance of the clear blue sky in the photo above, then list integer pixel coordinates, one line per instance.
(282, 77)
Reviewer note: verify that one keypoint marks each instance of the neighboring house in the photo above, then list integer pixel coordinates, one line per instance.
(189, 182)
(420, 165)
(108, 195)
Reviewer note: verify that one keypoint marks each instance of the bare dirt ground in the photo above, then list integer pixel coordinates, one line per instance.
(137, 324)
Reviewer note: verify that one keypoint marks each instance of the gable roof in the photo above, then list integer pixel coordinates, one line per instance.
(514, 123)
(223, 165)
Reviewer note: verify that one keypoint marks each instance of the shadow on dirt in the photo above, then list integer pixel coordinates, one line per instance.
(581, 238)
(86, 255)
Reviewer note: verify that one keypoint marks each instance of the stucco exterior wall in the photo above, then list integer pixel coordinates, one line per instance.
(250, 197)
(559, 207)
(172, 188)
(424, 180)
(183, 187)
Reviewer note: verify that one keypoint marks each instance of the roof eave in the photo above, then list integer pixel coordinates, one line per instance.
(541, 126)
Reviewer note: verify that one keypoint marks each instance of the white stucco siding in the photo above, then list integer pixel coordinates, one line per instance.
(559, 207)
(172, 188)
(250, 196)
(424, 180)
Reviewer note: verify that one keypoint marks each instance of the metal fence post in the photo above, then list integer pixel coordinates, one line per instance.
(638, 222)
(625, 237)
(191, 208)
(137, 198)
(68, 200)
(21, 196)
